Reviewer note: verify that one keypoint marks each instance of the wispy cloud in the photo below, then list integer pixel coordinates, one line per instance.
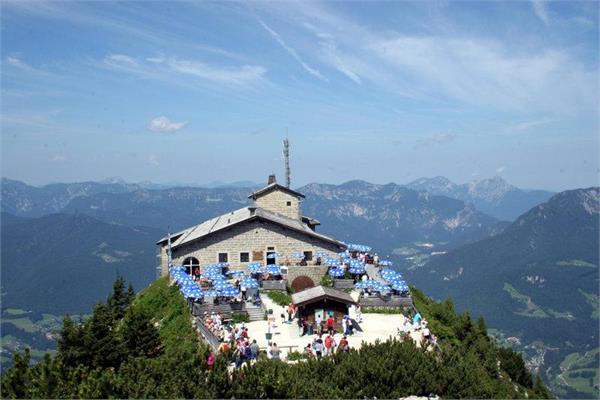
(166, 68)
(435, 140)
(163, 124)
(539, 8)
(291, 51)
(500, 169)
(525, 125)
(153, 160)
(448, 67)
(239, 75)
(58, 158)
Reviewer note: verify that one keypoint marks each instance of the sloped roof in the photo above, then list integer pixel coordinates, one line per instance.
(274, 186)
(320, 292)
(244, 215)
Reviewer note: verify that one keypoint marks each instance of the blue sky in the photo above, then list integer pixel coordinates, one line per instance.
(380, 91)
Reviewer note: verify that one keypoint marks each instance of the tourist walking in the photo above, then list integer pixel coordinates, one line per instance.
(254, 350)
(274, 352)
(358, 314)
(329, 344)
(330, 324)
(318, 347)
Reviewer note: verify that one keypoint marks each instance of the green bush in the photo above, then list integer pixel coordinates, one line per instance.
(280, 298)
(326, 281)
(239, 318)
(296, 355)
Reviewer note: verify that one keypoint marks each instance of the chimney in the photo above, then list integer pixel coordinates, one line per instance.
(271, 179)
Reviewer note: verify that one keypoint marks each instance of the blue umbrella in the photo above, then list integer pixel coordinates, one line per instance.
(348, 259)
(236, 274)
(357, 270)
(273, 255)
(321, 254)
(254, 268)
(297, 255)
(385, 263)
(250, 283)
(274, 269)
(371, 282)
(361, 285)
(212, 293)
(195, 293)
(336, 272)
(342, 254)
(221, 285)
(400, 287)
(230, 292)
(382, 288)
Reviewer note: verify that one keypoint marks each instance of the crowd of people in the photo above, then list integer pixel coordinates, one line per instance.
(326, 347)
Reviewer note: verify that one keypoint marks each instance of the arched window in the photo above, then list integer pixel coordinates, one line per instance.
(191, 265)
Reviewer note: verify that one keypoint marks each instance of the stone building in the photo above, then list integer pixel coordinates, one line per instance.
(273, 223)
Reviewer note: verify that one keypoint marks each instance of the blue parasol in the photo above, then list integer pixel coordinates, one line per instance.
(385, 263)
(336, 272)
(274, 269)
(297, 254)
(230, 292)
(361, 285)
(212, 293)
(249, 283)
(273, 255)
(357, 270)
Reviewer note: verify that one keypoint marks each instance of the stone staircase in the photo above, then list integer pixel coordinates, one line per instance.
(255, 313)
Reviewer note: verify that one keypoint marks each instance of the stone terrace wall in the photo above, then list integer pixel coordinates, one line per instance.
(251, 237)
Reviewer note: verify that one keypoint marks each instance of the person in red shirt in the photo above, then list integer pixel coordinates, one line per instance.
(343, 343)
(330, 324)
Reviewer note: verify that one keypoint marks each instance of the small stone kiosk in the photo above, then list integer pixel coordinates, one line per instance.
(322, 301)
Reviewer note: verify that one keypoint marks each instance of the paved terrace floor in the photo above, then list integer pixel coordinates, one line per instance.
(287, 336)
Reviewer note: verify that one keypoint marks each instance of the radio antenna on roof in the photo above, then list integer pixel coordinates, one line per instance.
(286, 157)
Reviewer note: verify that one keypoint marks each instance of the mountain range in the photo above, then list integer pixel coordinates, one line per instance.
(537, 281)
(493, 196)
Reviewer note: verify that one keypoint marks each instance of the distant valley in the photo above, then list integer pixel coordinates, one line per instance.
(536, 282)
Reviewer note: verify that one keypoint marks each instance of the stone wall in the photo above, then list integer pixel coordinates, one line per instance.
(276, 201)
(313, 272)
(254, 238)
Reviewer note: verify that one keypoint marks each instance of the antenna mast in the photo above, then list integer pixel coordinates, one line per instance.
(286, 157)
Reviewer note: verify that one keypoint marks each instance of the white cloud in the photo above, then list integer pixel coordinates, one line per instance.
(447, 67)
(523, 126)
(292, 52)
(500, 170)
(163, 68)
(539, 8)
(435, 139)
(153, 160)
(163, 124)
(241, 76)
(58, 158)
(121, 61)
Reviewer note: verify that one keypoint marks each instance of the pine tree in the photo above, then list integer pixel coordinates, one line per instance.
(119, 299)
(15, 381)
(140, 337)
(101, 339)
(71, 345)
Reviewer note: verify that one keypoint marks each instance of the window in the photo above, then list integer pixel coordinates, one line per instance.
(270, 248)
(289, 203)
(244, 257)
(308, 255)
(223, 257)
